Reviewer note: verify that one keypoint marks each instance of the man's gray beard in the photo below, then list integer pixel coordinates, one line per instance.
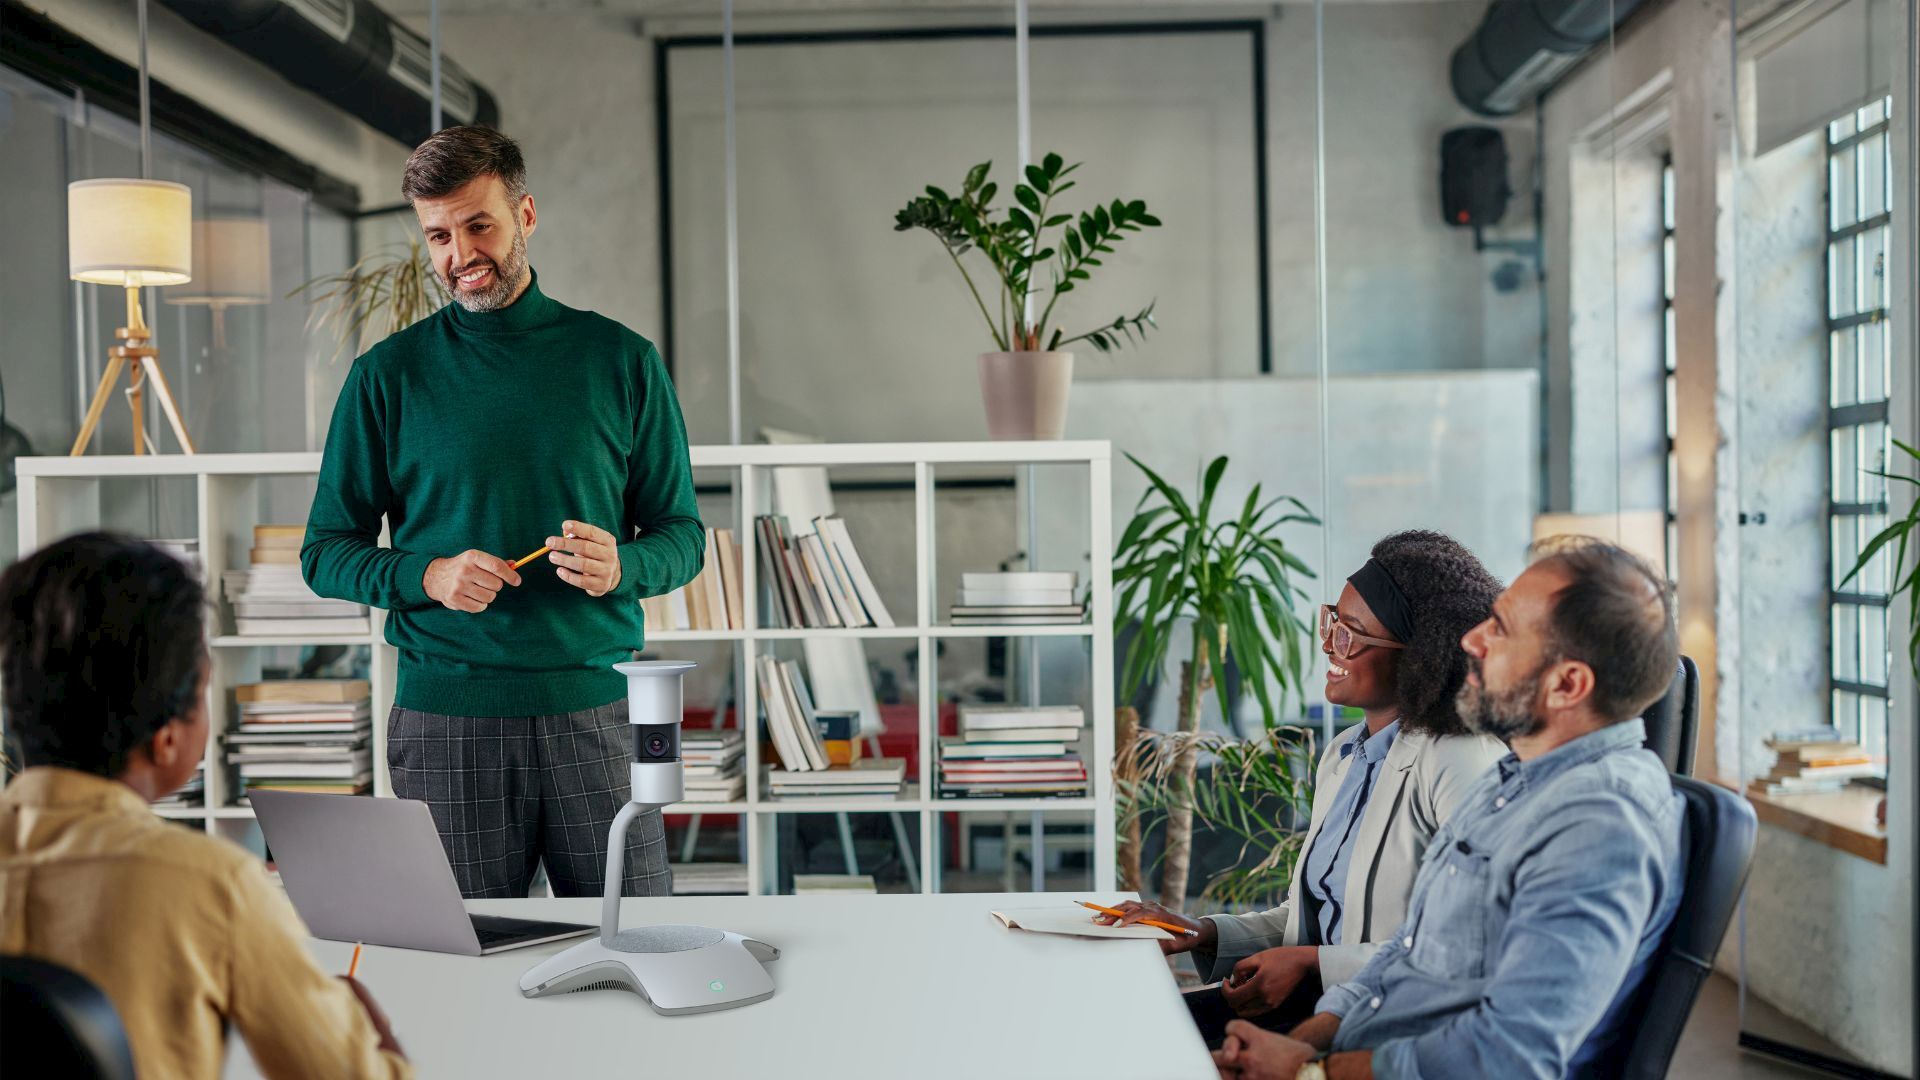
(1506, 715)
(505, 279)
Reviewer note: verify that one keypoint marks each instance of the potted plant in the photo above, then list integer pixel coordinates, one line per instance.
(1901, 577)
(1024, 382)
(1234, 581)
(383, 293)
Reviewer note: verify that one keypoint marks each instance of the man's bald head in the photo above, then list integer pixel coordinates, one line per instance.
(1614, 613)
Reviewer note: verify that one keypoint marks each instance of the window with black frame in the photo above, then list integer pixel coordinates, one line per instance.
(1669, 355)
(1859, 339)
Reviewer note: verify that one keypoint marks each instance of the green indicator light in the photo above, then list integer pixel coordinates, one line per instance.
(716, 986)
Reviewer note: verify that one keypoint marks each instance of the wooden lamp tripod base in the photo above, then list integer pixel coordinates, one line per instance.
(142, 362)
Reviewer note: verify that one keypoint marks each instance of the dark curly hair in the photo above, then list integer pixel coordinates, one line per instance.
(100, 646)
(1450, 593)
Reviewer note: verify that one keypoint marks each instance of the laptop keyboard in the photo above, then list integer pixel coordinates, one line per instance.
(498, 929)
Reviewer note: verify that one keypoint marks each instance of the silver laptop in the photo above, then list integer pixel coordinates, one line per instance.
(366, 869)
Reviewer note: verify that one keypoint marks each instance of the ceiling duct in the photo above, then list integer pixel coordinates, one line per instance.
(352, 54)
(1522, 47)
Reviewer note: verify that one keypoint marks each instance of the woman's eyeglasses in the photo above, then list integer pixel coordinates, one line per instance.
(1344, 640)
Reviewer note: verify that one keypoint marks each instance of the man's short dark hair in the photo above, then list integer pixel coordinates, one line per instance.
(101, 644)
(1615, 614)
(454, 157)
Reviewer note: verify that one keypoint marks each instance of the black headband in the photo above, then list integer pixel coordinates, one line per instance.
(1383, 595)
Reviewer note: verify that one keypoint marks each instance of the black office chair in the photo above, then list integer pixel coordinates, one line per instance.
(1718, 836)
(1673, 722)
(58, 1024)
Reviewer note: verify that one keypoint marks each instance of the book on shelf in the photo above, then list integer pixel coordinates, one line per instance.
(708, 878)
(1037, 598)
(789, 715)
(1009, 751)
(960, 749)
(1016, 597)
(873, 776)
(833, 884)
(304, 691)
(271, 598)
(711, 600)
(993, 716)
(1816, 760)
(1031, 735)
(357, 769)
(816, 579)
(1019, 580)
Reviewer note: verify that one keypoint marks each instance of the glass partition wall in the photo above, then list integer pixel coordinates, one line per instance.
(1817, 646)
(1408, 265)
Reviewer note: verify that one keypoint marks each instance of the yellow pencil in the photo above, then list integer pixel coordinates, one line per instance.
(354, 964)
(1144, 922)
(531, 557)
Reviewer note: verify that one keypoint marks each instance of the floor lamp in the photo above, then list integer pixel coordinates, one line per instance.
(130, 233)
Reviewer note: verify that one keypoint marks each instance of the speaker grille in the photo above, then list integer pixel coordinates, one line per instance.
(604, 984)
(666, 938)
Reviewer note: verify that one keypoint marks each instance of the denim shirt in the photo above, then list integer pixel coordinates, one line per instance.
(1553, 879)
(1332, 852)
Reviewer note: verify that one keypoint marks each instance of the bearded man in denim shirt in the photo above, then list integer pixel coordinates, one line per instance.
(1541, 901)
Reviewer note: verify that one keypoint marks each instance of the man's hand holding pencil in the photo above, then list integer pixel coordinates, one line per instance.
(468, 581)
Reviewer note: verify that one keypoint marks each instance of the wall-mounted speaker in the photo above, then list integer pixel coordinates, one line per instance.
(1473, 176)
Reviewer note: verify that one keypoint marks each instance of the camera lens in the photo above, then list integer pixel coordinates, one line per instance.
(657, 745)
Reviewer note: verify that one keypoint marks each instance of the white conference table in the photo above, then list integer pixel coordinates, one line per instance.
(882, 986)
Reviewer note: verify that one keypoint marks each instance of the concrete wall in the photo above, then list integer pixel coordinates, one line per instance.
(1828, 936)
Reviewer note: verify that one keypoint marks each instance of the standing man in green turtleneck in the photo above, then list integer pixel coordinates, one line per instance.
(503, 422)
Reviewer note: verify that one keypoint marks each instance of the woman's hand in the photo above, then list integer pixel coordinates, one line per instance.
(1262, 981)
(1133, 912)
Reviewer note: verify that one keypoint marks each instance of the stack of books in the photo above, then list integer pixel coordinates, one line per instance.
(1038, 598)
(271, 599)
(1007, 751)
(709, 878)
(303, 735)
(833, 884)
(795, 731)
(1815, 760)
(872, 776)
(816, 579)
(714, 764)
(711, 601)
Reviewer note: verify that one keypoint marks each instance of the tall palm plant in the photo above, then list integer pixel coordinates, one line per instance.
(1899, 535)
(1234, 581)
(385, 292)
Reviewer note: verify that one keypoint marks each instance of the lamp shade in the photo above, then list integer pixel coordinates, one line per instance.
(230, 263)
(129, 232)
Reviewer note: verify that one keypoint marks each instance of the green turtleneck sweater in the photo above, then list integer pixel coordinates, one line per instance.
(487, 430)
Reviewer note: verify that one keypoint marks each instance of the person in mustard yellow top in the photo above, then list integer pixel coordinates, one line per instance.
(105, 679)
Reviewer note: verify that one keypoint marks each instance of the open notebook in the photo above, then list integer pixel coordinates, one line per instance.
(1071, 920)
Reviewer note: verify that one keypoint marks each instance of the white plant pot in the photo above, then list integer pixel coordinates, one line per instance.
(1026, 393)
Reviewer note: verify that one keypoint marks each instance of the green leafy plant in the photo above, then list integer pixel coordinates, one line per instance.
(1017, 242)
(1234, 581)
(1901, 535)
(1255, 790)
(384, 292)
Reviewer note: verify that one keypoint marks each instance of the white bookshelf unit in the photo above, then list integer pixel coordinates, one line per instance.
(60, 496)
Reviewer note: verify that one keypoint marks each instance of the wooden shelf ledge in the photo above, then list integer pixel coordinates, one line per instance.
(1842, 819)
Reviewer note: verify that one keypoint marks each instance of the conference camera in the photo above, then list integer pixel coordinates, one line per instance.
(676, 967)
(653, 711)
